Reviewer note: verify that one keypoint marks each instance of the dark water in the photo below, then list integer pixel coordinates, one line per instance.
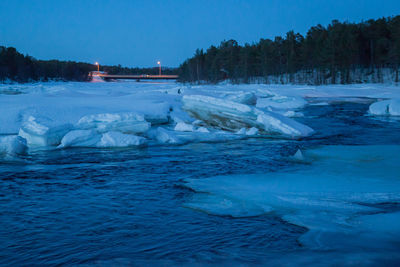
(125, 207)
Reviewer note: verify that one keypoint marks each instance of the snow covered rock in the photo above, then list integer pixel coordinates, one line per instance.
(12, 145)
(232, 116)
(122, 122)
(41, 131)
(385, 108)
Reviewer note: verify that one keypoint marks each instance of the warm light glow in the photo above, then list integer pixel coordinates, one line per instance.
(97, 63)
(158, 62)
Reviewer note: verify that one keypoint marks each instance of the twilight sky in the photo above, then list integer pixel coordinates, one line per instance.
(138, 33)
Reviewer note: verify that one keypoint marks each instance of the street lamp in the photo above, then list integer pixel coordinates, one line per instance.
(98, 66)
(159, 67)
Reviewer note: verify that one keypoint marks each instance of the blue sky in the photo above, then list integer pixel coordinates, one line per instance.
(138, 33)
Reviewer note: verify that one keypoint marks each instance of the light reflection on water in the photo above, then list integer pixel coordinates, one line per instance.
(121, 206)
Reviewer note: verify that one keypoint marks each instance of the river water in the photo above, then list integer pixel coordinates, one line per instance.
(126, 206)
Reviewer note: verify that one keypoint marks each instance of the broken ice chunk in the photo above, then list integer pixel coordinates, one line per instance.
(385, 108)
(41, 131)
(232, 116)
(276, 123)
(12, 145)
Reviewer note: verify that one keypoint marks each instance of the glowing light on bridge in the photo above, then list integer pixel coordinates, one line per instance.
(98, 66)
(159, 67)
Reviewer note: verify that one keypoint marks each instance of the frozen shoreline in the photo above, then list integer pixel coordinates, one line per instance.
(49, 114)
(44, 113)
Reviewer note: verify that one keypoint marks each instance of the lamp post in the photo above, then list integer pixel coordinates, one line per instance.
(159, 67)
(98, 66)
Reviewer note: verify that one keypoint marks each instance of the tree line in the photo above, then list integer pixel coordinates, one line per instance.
(329, 54)
(15, 66)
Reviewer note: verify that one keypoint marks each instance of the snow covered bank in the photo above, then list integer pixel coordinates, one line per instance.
(233, 116)
(340, 197)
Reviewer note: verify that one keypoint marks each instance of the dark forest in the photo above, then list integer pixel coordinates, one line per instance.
(324, 55)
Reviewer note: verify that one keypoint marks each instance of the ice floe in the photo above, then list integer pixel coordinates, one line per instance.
(338, 197)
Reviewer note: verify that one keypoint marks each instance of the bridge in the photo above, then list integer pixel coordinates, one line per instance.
(108, 77)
